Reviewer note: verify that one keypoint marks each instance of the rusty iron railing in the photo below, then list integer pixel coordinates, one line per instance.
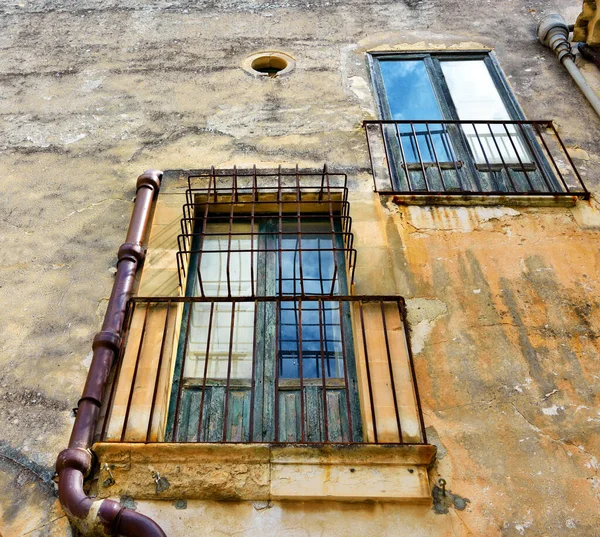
(283, 370)
(471, 158)
(243, 209)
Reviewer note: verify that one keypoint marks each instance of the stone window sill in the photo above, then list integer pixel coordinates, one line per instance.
(486, 200)
(265, 472)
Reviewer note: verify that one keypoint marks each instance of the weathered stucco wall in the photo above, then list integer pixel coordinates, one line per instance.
(503, 302)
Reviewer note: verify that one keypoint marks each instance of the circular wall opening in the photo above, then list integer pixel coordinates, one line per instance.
(271, 64)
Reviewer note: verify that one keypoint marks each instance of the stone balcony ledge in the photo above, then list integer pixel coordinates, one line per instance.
(357, 473)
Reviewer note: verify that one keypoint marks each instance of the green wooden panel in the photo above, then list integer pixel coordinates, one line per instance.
(314, 416)
(238, 420)
(211, 430)
(290, 415)
(337, 416)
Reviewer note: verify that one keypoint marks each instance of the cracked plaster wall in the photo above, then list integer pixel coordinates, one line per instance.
(502, 301)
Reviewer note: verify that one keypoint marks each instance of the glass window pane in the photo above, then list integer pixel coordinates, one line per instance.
(476, 97)
(222, 272)
(220, 333)
(321, 340)
(411, 97)
(225, 268)
(409, 90)
(320, 272)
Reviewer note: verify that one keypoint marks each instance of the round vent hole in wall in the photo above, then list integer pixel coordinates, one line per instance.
(271, 64)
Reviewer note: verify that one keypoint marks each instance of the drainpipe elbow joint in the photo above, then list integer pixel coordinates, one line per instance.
(150, 179)
(75, 458)
(553, 32)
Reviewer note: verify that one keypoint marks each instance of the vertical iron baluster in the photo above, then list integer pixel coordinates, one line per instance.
(437, 160)
(402, 312)
(448, 144)
(491, 172)
(229, 363)
(228, 266)
(253, 379)
(346, 375)
(205, 372)
(320, 265)
(322, 181)
(302, 427)
(180, 387)
(333, 239)
(252, 209)
(333, 281)
(549, 153)
(234, 194)
(117, 376)
(280, 232)
(502, 158)
(371, 159)
(566, 152)
(404, 163)
(387, 157)
(321, 339)
(276, 358)
(299, 227)
(533, 154)
(213, 177)
(519, 159)
(203, 235)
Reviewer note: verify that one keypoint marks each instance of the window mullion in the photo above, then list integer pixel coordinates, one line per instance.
(460, 148)
(440, 88)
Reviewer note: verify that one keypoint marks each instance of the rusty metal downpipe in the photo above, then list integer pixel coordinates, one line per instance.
(75, 463)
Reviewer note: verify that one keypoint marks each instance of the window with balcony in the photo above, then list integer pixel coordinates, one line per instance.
(246, 349)
(450, 125)
(267, 343)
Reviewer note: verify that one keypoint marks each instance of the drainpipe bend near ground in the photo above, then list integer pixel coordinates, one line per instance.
(553, 32)
(107, 517)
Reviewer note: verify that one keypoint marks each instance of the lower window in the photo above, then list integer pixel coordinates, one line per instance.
(266, 351)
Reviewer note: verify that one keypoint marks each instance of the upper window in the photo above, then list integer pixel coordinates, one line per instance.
(451, 125)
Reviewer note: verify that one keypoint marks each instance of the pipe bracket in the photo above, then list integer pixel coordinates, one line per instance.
(107, 340)
(93, 400)
(131, 252)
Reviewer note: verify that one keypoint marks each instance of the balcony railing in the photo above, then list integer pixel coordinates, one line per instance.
(236, 207)
(282, 370)
(471, 158)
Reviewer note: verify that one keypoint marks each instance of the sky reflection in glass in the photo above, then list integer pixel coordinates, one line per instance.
(410, 97)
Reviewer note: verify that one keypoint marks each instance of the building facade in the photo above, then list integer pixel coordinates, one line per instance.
(364, 282)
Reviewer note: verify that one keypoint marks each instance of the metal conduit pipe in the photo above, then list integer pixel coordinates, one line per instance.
(75, 463)
(553, 32)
